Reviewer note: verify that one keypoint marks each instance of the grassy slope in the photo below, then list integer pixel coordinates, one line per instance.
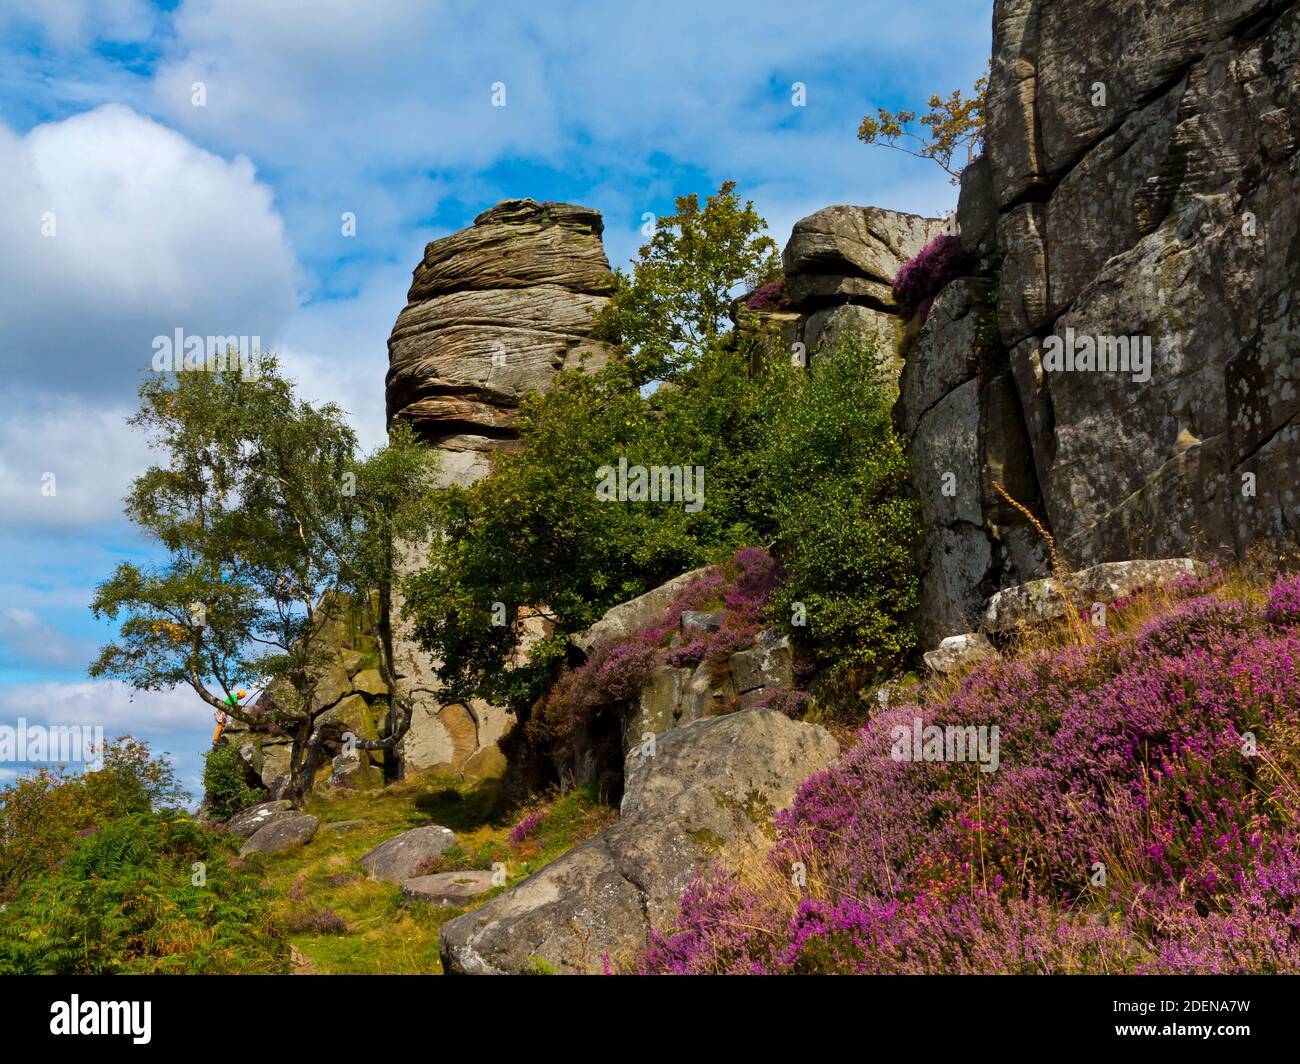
(385, 933)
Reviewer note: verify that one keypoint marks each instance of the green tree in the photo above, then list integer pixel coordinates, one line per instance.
(954, 129)
(534, 537)
(848, 527)
(677, 301)
(267, 514)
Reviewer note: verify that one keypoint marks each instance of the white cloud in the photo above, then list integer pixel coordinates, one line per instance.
(74, 23)
(89, 451)
(26, 640)
(113, 705)
(149, 233)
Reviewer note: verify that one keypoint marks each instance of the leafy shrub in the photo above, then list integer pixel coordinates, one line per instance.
(1127, 752)
(847, 528)
(224, 791)
(127, 901)
(924, 277)
(43, 812)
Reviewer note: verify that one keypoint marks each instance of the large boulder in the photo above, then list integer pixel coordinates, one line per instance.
(634, 615)
(280, 835)
(247, 821)
(700, 795)
(493, 312)
(840, 264)
(398, 859)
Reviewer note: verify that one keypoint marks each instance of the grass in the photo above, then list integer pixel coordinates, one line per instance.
(342, 922)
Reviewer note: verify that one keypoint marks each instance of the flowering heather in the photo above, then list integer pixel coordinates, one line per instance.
(1144, 819)
(768, 296)
(615, 672)
(525, 828)
(921, 279)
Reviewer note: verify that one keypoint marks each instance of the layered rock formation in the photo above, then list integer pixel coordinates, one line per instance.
(840, 264)
(494, 312)
(1140, 189)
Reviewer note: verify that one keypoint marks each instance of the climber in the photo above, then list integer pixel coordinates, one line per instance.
(222, 717)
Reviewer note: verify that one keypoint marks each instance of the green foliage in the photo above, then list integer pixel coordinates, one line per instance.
(224, 791)
(677, 302)
(534, 536)
(42, 812)
(264, 508)
(836, 486)
(148, 893)
(954, 125)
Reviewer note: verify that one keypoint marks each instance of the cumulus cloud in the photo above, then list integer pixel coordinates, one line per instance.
(112, 705)
(26, 640)
(118, 230)
(67, 463)
(73, 23)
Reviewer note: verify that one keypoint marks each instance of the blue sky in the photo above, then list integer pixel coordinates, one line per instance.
(225, 218)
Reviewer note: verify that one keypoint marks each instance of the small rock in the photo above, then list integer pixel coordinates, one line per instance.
(702, 620)
(456, 889)
(769, 663)
(1041, 600)
(281, 835)
(957, 651)
(399, 858)
(344, 825)
(247, 821)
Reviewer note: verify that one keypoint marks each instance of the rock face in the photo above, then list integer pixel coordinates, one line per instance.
(1141, 189)
(705, 794)
(840, 264)
(494, 312)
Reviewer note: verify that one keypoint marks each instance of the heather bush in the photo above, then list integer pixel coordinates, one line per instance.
(613, 673)
(924, 277)
(768, 296)
(1143, 819)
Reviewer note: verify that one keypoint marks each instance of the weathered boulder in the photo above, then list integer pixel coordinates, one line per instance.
(957, 652)
(247, 821)
(840, 265)
(635, 615)
(1043, 600)
(280, 835)
(493, 312)
(369, 682)
(451, 889)
(704, 794)
(399, 858)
